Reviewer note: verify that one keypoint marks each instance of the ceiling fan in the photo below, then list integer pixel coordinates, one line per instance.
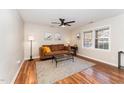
(63, 23)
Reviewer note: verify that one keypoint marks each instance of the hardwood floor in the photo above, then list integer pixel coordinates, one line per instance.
(99, 74)
(27, 74)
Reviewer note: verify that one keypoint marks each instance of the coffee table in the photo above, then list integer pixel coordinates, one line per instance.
(62, 57)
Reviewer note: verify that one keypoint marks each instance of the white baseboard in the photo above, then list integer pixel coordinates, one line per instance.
(16, 74)
(33, 58)
(98, 60)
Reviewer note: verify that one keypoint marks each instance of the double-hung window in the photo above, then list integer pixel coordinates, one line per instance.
(87, 41)
(102, 38)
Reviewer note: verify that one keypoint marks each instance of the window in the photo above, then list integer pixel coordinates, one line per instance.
(102, 38)
(87, 39)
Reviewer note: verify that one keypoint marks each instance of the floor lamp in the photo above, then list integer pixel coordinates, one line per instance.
(30, 38)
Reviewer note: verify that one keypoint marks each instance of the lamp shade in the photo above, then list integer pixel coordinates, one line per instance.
(30, 38)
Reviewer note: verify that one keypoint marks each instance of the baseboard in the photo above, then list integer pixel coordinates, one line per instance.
(96, 60)
(16, 74)
(33, 58)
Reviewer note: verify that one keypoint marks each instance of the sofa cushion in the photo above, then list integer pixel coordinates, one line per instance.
(47, 46)
(58, 52)
(57, 47)
(61, 47)
(54, 47)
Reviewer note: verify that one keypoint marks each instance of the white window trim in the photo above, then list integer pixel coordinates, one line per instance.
(108, 38)
(93, 40)
(83, 39)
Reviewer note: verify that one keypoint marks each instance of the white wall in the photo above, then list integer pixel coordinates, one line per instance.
(117, 38)
(38, 32)
(11, 44)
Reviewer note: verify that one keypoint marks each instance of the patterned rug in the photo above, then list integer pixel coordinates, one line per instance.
(48, 73)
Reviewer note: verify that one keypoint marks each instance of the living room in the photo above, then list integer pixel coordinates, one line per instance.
(96, 34)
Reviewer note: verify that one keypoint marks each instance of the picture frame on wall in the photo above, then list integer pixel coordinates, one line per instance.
(48, 36)
(58, 37)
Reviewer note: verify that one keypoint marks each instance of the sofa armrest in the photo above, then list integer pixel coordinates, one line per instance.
(41, 52)
(68, 48)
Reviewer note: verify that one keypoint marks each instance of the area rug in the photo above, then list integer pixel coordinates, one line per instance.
(48, 73)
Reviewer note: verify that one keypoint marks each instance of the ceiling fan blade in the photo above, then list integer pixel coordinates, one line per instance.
(63, 23)
(71, 22)
(68, 25)
(55, 23)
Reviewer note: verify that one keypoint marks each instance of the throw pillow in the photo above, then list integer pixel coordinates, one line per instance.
(46, 50)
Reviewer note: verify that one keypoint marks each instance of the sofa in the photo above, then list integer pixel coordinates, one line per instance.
(55, 50)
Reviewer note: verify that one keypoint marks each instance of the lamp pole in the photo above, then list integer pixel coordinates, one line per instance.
(30, 38)
(31, 51)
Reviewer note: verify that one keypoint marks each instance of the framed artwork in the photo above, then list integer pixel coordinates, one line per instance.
(48, 36)
(58, 36)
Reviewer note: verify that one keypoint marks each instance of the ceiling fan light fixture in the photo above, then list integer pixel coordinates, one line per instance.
(62, 25)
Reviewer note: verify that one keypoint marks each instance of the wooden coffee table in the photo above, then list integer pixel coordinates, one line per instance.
(62, 57)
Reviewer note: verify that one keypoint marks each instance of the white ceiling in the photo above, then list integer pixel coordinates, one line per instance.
(81, 16)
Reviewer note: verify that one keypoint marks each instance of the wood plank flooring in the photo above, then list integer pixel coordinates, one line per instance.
(99, 74)
(27, 74)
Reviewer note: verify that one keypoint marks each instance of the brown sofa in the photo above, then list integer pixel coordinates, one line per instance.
(56, 49)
